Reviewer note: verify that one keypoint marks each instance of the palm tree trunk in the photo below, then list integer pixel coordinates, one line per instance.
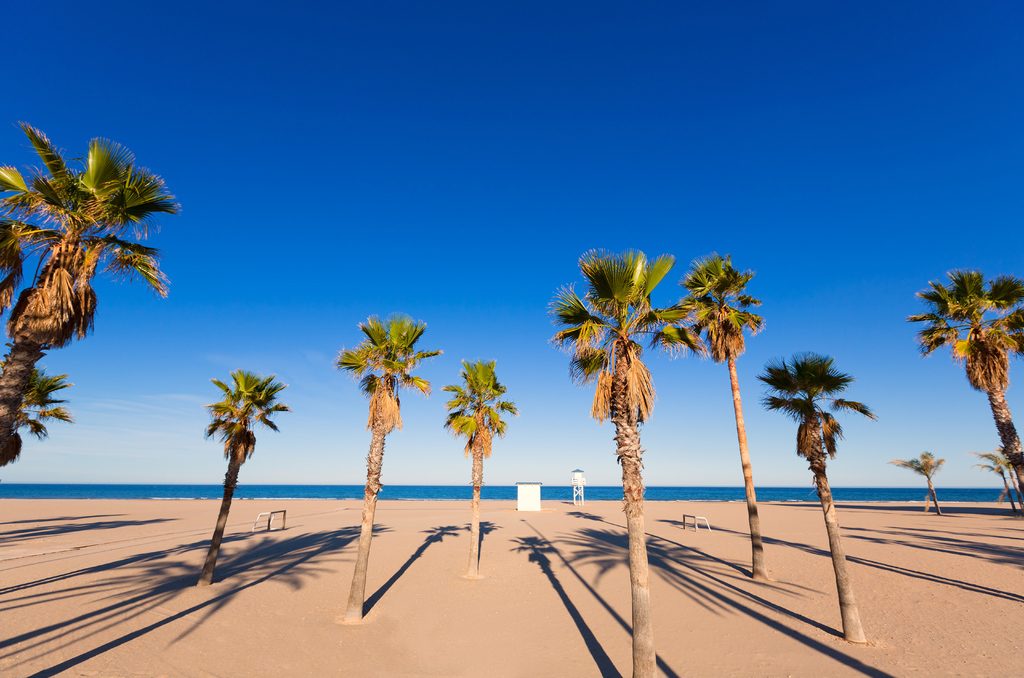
(14, 378)
(1007, 434)
(1009, 493)
(935, 497)
(853, 631)
(230, 483)
(758, 568)
(627, 440)
(374, 462)
(473, 572)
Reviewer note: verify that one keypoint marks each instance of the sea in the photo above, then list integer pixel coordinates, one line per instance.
(464, 492)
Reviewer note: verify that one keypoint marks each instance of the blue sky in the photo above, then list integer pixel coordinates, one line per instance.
(453, 161)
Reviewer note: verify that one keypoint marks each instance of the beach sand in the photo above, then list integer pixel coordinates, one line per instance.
(104, 588)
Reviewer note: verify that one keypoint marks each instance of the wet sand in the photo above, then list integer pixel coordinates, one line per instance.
(105, 588)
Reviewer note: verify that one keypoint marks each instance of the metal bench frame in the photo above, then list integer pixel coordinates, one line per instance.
(689, 516)
(270, 519)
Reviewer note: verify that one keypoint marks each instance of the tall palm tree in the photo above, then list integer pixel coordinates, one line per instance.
(40, 406)
(63, 224)
(926, 465)
(250, 400)
(603, 329)
(998, 464)
(720, 309)
(982, 323)
(384, 362)
(474, 412)
(807, 389)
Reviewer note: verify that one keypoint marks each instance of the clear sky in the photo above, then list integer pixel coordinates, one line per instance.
(453, 160)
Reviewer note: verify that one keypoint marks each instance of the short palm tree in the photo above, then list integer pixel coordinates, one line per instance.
(474, 413)
(249, 401)
(603, 329)
(925, 465)
(982, 323)
(998, 464)
(384, 363)
(720, 311)
(807, 389)
(64, 224)
(40, 406)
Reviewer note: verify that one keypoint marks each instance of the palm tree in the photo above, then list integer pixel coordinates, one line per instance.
(40, 406)
(720, 309)
(603, 329)
(384, 362)
(64, 224)
(807, 389)
(474, 412)
(982, 323)
(998, 464)
(926, 465)
(249, 400)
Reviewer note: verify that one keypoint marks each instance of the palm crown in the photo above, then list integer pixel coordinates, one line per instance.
(807, 389)
(476, 406)
(981, 322)
(997, 462)
(73, 220)
(249, 400)
(719, 305)
(926, 465)
(40, 406)
(384, 362)
(604, 325)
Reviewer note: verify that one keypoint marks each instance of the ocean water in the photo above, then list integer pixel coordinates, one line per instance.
(463, 492)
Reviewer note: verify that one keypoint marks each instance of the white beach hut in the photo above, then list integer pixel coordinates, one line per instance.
(528, 496)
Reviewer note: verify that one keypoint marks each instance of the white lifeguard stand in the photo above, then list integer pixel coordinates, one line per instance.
(578, 483)
(528, 496)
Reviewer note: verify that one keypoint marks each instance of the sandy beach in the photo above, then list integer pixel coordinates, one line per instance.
(105, 588)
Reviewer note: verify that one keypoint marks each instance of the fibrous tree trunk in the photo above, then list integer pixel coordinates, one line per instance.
(758, 568)
(473, 571)
(935, 497)
(627, 439)
(1009, 493)
(853, 631)
(374, 462)
(230, 483)
(1008, 436)
(14, 378)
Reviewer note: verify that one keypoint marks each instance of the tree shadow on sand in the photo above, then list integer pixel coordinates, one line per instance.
(140, 586)
(896, 569)
(486, 527)
(536, 548)
(691, 573)
(435, 535)
(550, 548)
(53, 530)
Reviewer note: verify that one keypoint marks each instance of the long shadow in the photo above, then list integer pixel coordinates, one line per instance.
(896, 569)
(42, 531)
(53, 520)
(262, 563)
(486, 527)
(434, 535)
(608, 549)
(536, 547)
(135, 559)
(927, 540)
(665, 668)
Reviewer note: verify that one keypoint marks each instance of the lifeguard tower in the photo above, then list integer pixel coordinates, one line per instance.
(578, 483)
